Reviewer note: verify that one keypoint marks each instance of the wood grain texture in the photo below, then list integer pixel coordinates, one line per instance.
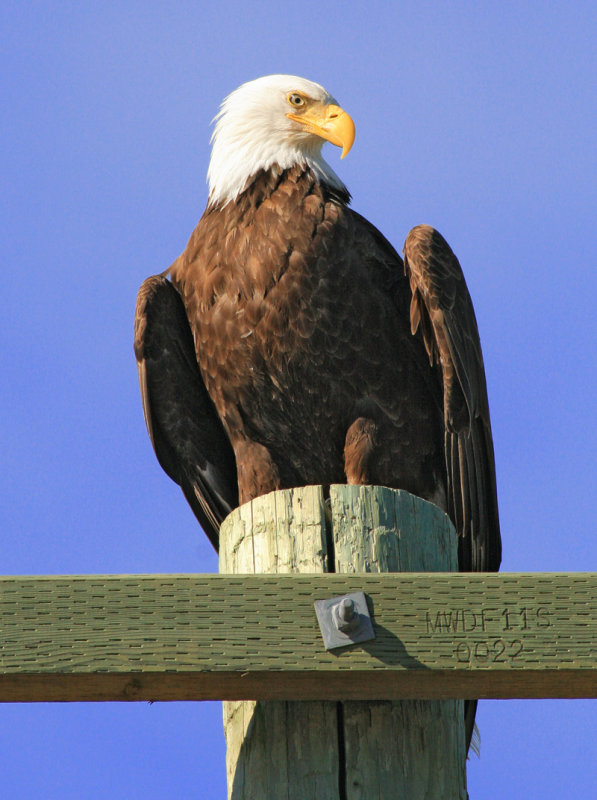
(287, 748)
(183, 637)
(409, 748)
(373, 532)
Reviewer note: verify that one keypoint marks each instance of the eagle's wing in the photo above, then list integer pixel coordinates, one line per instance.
(442, 310)
(185, 429)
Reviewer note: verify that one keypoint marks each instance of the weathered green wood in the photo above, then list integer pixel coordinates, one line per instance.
(184, 637)
(409, 748)
(373, 529)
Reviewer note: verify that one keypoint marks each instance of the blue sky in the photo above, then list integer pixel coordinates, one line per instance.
(478, 118)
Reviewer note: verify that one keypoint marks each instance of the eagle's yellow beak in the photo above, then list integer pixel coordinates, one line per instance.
(329, 122)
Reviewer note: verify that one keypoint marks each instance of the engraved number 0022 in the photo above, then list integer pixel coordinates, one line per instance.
(496, 650)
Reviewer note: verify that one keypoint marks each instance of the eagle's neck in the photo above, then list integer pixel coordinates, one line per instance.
(265, 184)
(233, 167)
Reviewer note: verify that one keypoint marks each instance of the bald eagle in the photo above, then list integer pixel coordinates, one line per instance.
(290, 345)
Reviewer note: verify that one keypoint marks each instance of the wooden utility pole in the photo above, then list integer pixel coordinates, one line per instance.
(239, 637)
(408, 749)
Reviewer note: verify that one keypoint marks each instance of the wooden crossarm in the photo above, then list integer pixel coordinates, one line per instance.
(198, 637)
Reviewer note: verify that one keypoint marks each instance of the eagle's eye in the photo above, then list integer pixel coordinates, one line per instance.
(296, 100)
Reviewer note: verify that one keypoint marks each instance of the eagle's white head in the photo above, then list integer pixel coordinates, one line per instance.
(277, 120)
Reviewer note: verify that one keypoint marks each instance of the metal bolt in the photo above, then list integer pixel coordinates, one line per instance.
(346, 609)
(346, 616)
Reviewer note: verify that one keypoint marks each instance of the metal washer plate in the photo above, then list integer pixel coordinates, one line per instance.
(332, 637)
